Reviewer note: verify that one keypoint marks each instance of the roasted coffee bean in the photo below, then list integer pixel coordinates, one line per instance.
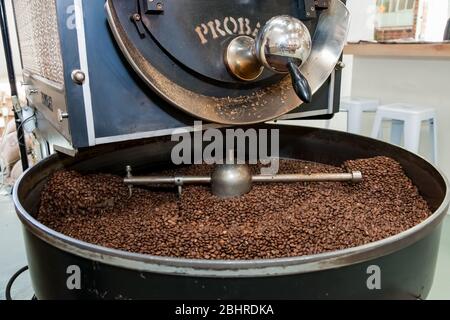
(272, 221)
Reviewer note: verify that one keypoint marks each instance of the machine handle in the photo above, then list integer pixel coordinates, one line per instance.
(300, 84)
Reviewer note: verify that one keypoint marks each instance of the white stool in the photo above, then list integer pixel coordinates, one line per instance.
(407, 120)
(355, 107)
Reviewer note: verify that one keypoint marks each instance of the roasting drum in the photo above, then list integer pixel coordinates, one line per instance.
(407, 261)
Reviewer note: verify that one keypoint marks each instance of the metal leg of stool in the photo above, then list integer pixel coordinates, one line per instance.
(377, 131)
(434, 139)
(397, 130)
(412, 134)
(354, 118)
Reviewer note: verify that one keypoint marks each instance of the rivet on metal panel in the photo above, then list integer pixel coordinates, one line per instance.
(340, 65)
(78, 77)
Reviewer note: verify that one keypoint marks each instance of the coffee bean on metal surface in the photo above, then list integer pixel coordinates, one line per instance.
(272, 221)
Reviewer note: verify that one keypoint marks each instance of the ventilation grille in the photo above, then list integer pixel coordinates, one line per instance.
(39, 43)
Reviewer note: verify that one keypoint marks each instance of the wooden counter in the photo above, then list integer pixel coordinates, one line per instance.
(419, 50)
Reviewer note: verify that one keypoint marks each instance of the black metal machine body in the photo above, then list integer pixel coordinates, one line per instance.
(101, 72)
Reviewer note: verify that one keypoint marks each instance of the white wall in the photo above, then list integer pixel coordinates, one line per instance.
(410, 80)
(361, 28)
(362, 19)
(439, 10)
(417, 81)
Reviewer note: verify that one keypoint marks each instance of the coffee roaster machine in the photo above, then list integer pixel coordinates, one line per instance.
(109, 82)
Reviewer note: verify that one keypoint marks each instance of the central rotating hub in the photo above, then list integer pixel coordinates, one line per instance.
(231, 180)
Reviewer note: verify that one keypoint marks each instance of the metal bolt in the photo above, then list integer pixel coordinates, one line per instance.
(78, 77)
(129, 171)
(159, 6)
(62, 115)
(129, 175)
(136, 17)
(340, 65)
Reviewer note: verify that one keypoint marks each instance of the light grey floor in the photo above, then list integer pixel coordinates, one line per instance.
(12, 252)
(441, 286)
(12, 257)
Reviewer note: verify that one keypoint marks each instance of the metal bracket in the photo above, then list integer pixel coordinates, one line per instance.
(311, 7)
(129, 176)
(137, 20)
(179, 184)
(154, 6)
(16, 104)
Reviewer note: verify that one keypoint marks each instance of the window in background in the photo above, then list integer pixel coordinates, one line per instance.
(411, 20)
(396, 19)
